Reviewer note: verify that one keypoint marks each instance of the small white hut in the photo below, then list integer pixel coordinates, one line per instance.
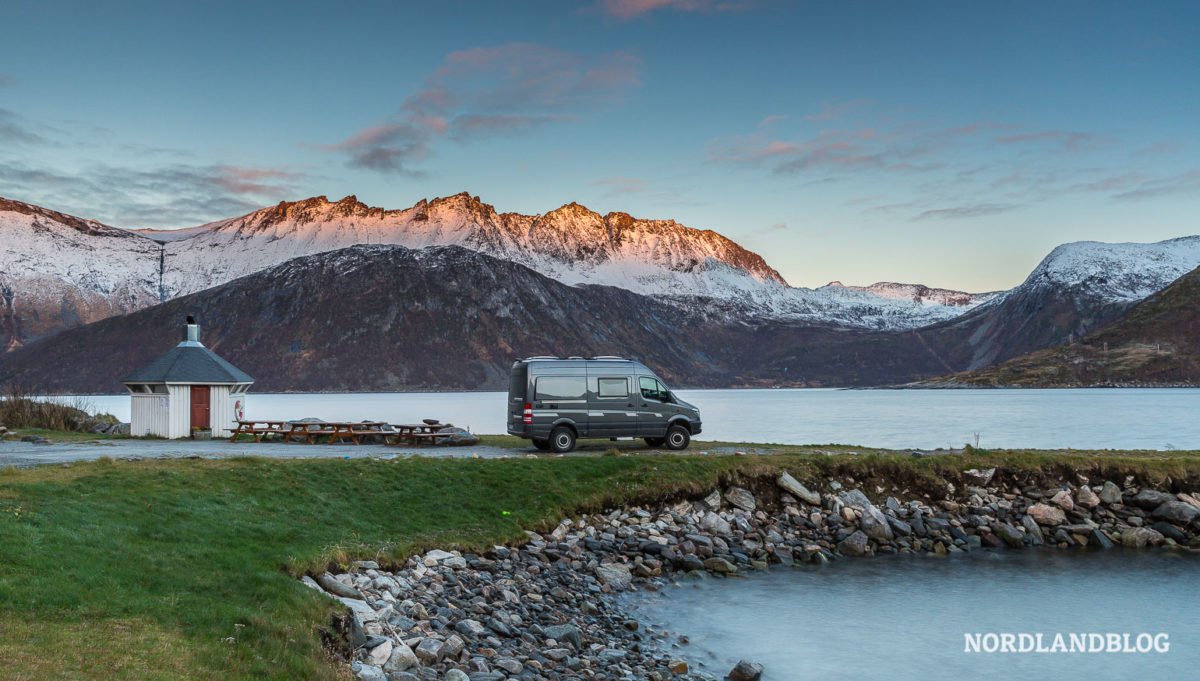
(189, 388)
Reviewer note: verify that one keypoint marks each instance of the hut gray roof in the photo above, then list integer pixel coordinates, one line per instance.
(189, 362)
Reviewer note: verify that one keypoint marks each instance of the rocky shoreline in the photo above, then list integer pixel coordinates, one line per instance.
(548, 610)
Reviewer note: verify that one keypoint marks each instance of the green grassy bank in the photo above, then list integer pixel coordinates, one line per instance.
(186, 569)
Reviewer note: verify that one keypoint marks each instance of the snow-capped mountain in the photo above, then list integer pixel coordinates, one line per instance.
(57, 271)
(1121, 272)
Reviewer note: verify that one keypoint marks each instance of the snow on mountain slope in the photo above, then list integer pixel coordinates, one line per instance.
(572, 244)
(57, 270)
(1120, 272)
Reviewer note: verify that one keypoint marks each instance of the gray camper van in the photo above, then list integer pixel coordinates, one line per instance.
(554, 401)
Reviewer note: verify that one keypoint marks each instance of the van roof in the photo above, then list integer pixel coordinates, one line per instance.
(601, 358)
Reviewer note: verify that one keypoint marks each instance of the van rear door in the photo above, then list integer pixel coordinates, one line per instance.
(518, 388)
(559, 397)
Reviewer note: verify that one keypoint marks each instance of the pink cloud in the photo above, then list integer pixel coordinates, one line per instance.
(492, 91)
(626, 10)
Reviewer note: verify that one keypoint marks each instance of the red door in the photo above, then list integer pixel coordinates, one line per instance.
(200, 407)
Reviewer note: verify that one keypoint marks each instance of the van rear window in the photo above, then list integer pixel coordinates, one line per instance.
(516, 382)
(552, 388)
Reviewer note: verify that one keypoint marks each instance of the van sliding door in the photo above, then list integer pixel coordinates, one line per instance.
(611, 409)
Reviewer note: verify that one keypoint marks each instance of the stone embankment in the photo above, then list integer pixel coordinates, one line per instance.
(546, 610)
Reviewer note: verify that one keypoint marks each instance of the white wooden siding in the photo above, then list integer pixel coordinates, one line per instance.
(148, 415)
(221, 415)
(181, 411)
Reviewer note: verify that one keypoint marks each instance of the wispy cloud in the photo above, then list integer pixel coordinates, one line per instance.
(621, 186)
(164, 196)
(488, 92)
(1064, 139)
(1186, 183)
(15, 130)
(626, 10)
(965, 211)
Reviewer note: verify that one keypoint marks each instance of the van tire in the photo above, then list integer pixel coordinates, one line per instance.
(543, 445)
(678, 437)
(562, 440)
(655, 441)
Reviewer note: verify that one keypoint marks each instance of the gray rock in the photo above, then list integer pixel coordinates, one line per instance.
(510, 665)
(854, 545)
(979, 477)
(1062, 498)
(1009, 535)
(1100, 539)
(855, 499)
(793, 487)
(380, 654)
(899, 526)
(875, 524)
(458, 437)
(456, 675)
(429, 650)
(1151, 499)
(1033, 530)
(333, 586)
(1176, 512)
(1137, 537)
(745, 671)
(565, 633)
(402, 658)
(615, 575)
(369, 672)
(715, 524)
(471, 628)
(713, 500)
(720, 565)
(741, 498)
(1110, 493)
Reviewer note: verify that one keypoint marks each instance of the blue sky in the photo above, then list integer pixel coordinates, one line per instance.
(952, 144)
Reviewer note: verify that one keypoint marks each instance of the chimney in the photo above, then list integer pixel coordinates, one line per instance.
(191, 332)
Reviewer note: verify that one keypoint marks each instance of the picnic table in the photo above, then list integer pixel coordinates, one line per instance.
(411, 434)
(310, 431)
(415, 434)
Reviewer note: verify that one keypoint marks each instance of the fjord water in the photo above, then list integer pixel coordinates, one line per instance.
(1122, 418)
(904, 617)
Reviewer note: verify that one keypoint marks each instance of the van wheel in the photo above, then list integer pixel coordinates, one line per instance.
(678, 437)
(655, 441)
(543, 445)
(562, 439)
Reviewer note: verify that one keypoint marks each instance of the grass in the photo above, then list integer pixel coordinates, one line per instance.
(147, 569)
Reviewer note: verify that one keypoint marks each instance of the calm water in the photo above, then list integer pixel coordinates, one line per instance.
(904, 617)
(1083, 419)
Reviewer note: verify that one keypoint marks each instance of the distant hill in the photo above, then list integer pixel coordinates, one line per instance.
(1157, 342)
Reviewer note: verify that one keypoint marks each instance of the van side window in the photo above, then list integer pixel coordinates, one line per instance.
(652, 389)
(612, 387)
(559, 388)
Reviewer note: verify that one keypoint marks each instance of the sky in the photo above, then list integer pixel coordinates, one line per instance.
(952, 144)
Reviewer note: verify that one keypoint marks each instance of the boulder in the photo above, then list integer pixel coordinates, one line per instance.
(1100, 539)
(456, 675)
(741, 498)
(458, 437)
(1009, 535)
(875, 525)
(1046, 515)
(1033, 531)
(1176, 512)
(1151, 499)
(369, 672)
(979, 477)
(713, 500)
(745, 671)
(720, 566)
(471, 628)
(615, 575)
(793, 487)
(380, 654)
(855, 499)
(402, 658)
(429, 650)
(854, 545)
(1188, 499)
(1063, 500)
(1086, 498)
(1110, 493)
(1137, 537)
(565, 633)
(711, 522)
